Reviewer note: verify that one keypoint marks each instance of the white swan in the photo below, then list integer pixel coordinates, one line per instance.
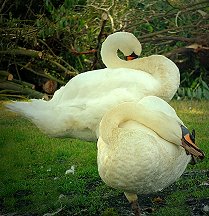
(77, 108)
(141, 147)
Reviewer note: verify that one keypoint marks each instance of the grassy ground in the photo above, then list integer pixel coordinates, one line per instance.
(33, 179)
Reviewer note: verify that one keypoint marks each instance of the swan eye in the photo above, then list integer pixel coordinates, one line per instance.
(131, 57)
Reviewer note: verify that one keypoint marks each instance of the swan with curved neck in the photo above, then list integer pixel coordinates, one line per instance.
(143, 147)
(127, 43)
(159, 67)
(76, 109)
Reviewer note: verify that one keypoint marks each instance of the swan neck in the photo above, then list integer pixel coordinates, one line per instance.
(110, 58)
(164, 125)
(126, 43)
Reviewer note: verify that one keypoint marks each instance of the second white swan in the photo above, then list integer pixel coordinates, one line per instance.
(143, 147)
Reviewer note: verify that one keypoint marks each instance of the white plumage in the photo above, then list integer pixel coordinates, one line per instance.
(77, 108)
(140, 147)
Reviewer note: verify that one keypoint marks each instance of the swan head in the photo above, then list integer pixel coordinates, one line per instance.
(126, 42)
(188, 143)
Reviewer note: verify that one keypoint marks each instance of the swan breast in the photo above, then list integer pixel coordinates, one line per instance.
(139, 160)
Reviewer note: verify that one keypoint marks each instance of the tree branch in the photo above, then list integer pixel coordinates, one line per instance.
(200, 40)
(40, 55)
(45, 75)
(8, 85)
(99, 39)
(143, 38)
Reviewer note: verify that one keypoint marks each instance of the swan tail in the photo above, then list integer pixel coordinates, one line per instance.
(28, 109)
(38, 111)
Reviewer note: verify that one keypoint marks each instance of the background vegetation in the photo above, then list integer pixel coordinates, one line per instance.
(45, 43)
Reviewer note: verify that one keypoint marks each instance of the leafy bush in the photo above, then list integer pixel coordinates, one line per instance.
(58, 39)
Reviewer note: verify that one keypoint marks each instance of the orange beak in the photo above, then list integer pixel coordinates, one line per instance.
(188, 143)
(131, 57)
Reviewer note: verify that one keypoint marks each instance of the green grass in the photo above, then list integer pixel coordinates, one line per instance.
(33, 179)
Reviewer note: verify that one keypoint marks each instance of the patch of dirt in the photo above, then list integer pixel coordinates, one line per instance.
(198, 206)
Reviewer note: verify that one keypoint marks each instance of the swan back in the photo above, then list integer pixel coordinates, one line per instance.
(151, 111)
(163, 70)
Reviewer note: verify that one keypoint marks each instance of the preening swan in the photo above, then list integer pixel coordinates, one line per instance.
(77, 108)
(143, 147)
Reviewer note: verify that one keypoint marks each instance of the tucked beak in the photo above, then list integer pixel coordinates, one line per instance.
(131, 57)
(188, 143)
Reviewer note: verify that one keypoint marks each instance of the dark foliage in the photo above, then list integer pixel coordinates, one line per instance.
(45, 43)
